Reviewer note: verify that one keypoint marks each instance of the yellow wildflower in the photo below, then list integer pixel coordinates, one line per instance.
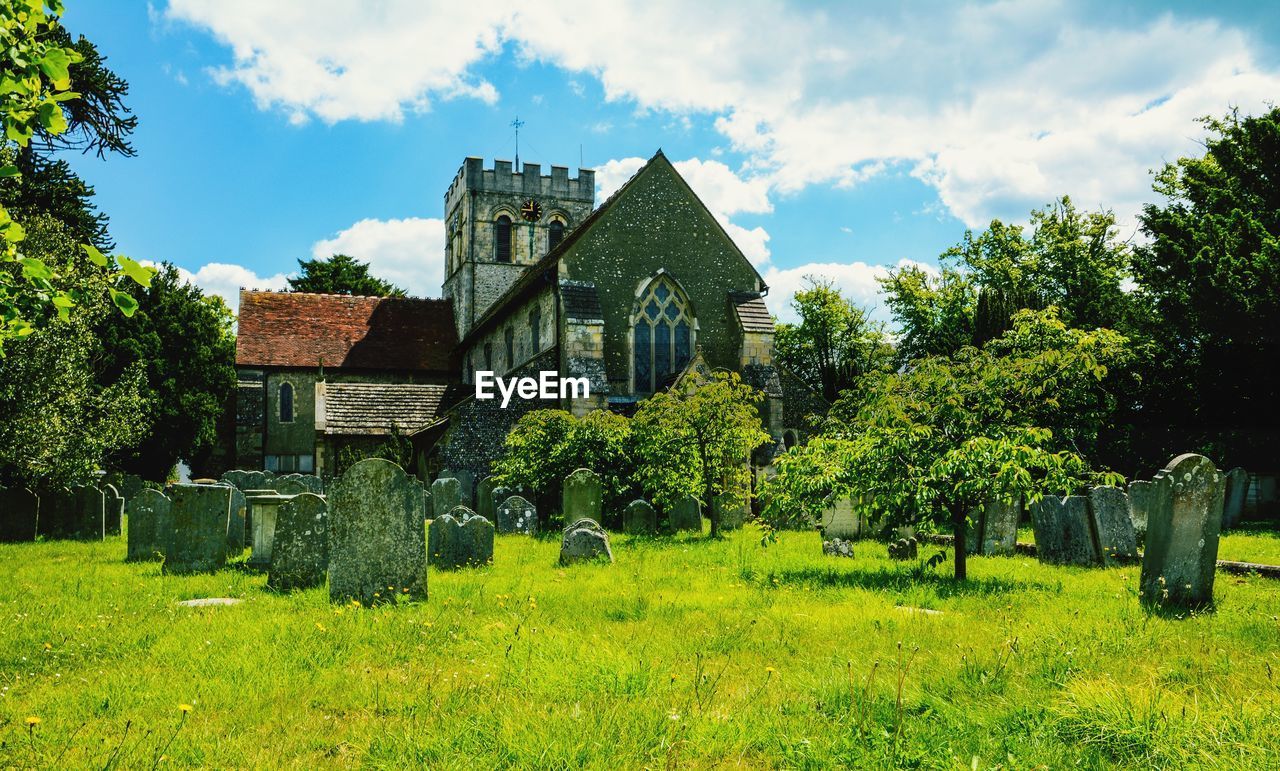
(185, 708)
(33, 721)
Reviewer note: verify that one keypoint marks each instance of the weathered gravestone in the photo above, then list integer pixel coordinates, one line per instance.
(113, 510)
(263, 510)
(236, 521)
(377, 538)
(258, 480)
(150, 525)
(57, 512)
(237, 478)
(1062, 531)
(446, 495)
(1182, 534)
(1000, 528)
(1139, 504)
(584, 541)
(732, 510)
(639, 518)
(199, 540)
(904, 549)
(486, 504)
(300, 549)
(1236, 484)
(516, 515)
(458, 539)
(466, 485)
(291, 484)
(841, 521)
(90, 513)
(581, 496)
(19, 515)
(686, 515)
(1113, 525)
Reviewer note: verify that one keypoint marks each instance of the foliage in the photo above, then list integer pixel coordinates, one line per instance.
(396, 448)
(835, 342)
(696, 439)
(933, 311)
(341, 274)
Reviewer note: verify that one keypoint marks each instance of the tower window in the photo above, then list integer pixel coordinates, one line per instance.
(502, 239)
(286, 403)
(662, 336)
(555, 234)
(509, 337)
(535, 331)
(488, 356)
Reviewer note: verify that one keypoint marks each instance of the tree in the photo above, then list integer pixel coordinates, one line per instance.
(834, 344)
(933, 312)
(697, 438)
(341, 274)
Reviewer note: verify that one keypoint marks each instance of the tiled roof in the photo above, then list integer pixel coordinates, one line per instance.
(352, 409)
(752, 313)
(293, 329)
(581, 301)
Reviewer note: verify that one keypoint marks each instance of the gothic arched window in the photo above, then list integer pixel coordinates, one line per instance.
(502, 239)
(509, 337)
(535, 331)
(286, 403)
(662, 335)
(555, 234)
(488, 356)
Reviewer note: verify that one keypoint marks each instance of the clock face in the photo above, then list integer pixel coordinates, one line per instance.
(531, 210)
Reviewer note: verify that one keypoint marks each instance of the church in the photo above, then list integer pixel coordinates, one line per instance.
(626, 296)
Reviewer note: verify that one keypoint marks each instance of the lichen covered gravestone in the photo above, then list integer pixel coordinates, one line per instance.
(516, 515)
(1113, 525)
(1139, 504)
(685, 516)
(291, 484)
(732, 510)
(1000, 527)
(1236, 485)
(263, 509)
(150, 525)
(113, 512)
(1182, 534)
(377, 538)
(1062, 531)
(236, 521)
(639, 518)
(841, 521)
(582, 496)
(585, 541)
(458, 539)
(300, 552)
(19, 514)
(199, 542)
(446, 494)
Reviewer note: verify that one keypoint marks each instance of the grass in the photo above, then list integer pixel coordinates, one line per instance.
(685, 653)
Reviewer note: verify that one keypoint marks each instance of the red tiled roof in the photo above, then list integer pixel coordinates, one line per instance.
(293, 329)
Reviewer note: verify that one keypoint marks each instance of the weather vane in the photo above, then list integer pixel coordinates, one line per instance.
(516, 124)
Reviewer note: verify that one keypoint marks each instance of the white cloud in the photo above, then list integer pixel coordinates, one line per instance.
(226, 280)
(407, 252)
(858, 281)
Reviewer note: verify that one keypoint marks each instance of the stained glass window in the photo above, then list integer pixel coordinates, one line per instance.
(663, 335)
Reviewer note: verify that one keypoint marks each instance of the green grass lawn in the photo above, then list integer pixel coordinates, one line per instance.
(686, 652)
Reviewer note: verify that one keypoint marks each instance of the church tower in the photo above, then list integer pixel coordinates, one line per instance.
(500, 221)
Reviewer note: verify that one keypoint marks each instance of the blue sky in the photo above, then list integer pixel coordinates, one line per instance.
(831, 140)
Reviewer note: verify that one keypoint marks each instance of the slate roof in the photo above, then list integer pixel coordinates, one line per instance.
(353, 409)
(581, 301)
(295, 329)
(753, 314)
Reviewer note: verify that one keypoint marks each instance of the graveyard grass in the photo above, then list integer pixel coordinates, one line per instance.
(686, 652)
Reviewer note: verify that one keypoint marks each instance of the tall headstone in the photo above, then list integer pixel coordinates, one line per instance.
(113, 511)
(236, 522)
(300, 550)
(1182, 534)
(150, 525)
(1000, 527)
(733, 511)
(263, 510)
(516, 515)
(486, 505)
(1113, 525)
(57, 512)
(582, 496)
(1062, 531)
(460, 538)
(1140, 493)
(585, 541)
(377, 536)
(19, 515)
(446, 494)
(840, 520)
(685, 516)
(639, 518)
(1236, 483)
(199, 542)
(89, 522)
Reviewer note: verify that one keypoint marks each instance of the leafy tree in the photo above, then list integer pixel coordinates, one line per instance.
(834, 344)
(696, 439)
(341, 274)
(933, 312)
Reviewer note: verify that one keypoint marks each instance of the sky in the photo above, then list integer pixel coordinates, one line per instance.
(834, 140)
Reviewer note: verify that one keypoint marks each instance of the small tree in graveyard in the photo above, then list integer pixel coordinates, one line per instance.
(835, 342)
(341, 274)
(696, 439)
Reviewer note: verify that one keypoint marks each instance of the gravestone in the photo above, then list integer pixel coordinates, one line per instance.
(19, 515)
(485, 502)
(1236, 484)
(57, 512)
(1000, 528)
(1139, 504)
(838, 547)
(258, 480)
(459, 538)
(237, 478)
(904, 549)
(236, 521)
(377, 538)
(685, 516)
(503, 492)
(581, 496)
(584, 541)
(516, 515)
(732, 512)
(199, 541)
(1062, 531)
(1182, 534)
(263, 510)
(150, 525)
(446, 494)
(90, 513)
(639, 518)
(113, 513)
(1113, 525)
(841, 521)
(300, 549)
(291, 484)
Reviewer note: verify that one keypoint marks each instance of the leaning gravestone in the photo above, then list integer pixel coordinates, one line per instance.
(199, 542)
(300, 551)
(584, 541)
(458, 539)
(1182, 534)
(377, 539)
(841, 521)
(1062, 531)
(516, 515)
(446, 494)
(19, 515)
(264, 507)
(1113, 525)
(1139, 504)
(1236, 483)
(686, 515)
(1000, 528)
(582, 495)
(236, 521)
(89, 519)
(639, 518)
(485, 502)
(733, 511)
(113, 514)
(150, 525)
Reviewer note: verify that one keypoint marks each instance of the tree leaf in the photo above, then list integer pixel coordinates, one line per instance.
(139, 273)
(95, 256)
(125, 302)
